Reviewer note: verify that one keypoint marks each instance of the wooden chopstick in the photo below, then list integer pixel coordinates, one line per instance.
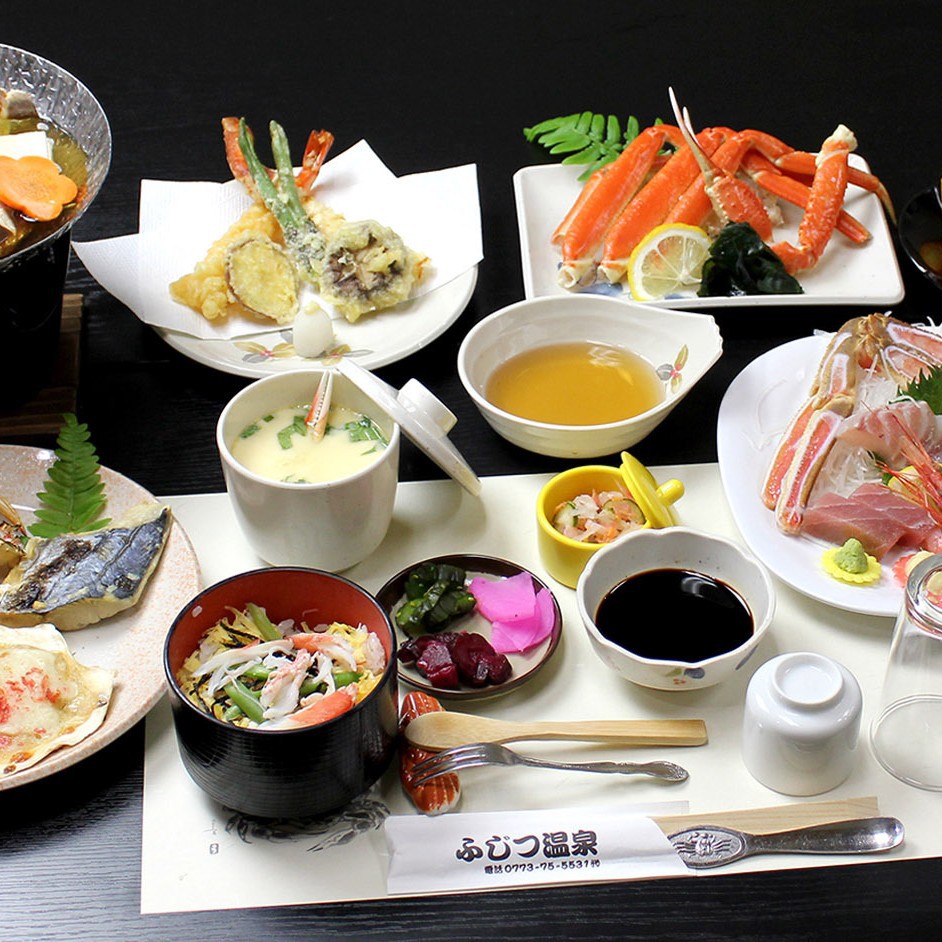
(776, 818)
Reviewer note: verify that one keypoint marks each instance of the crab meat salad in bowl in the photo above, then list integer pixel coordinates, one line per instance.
(283, 688)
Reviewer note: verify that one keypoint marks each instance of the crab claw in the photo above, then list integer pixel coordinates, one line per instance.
(732, 199)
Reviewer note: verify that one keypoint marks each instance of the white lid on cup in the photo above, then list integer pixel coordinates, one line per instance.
(424, 418)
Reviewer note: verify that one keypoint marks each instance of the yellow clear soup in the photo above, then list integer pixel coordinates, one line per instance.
(578, 383)
(277, 446)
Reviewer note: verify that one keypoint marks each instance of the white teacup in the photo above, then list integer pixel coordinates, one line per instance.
(331, 525)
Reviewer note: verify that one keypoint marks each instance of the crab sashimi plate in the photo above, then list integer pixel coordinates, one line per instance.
(756, 411)
(846, 273)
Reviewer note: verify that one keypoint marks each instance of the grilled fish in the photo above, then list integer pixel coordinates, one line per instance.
(77, 579)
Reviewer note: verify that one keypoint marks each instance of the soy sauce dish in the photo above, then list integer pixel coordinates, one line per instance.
(675, 609)
(304, 770)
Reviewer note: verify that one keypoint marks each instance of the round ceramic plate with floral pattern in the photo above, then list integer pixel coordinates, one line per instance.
(129, 643)
(373, 341)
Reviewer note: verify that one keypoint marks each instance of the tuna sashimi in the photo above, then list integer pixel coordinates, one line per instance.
(836, 519)
(877, 516)
(915, 519)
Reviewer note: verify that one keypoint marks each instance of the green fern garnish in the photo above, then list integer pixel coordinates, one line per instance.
(586, 138)
(928, 387)
(73, 493)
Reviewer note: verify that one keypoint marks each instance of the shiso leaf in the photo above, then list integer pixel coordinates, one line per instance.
(72, 498)
(927, 387)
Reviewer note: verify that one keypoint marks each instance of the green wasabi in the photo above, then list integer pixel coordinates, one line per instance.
(851, 557)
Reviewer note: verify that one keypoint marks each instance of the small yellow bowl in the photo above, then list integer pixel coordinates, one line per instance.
(564, 557)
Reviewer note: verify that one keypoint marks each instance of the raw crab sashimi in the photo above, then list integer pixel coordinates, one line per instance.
(861, 460)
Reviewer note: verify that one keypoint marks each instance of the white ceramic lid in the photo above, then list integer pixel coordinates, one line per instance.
(423, 417)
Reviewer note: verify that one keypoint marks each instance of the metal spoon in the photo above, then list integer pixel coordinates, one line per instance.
(710, 846)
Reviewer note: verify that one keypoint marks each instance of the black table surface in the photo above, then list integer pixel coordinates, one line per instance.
(431, 86)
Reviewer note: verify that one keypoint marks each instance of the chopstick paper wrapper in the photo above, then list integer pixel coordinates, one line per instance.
(436, 213)
(493, 850)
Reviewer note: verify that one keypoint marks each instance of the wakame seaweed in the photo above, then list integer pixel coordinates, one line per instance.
(741, 263)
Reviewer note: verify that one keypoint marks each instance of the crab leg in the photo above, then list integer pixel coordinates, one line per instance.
(877, 345)
(907, 350)
(649, 208)
(604, 196)
(695, 205)
(584, 194)
(824, 204)
(798, 161)
(793, 191)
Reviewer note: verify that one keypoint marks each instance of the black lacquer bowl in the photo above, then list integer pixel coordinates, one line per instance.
(920, 232)
(285, 773)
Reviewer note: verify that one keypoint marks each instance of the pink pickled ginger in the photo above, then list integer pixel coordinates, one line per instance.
(520, 617)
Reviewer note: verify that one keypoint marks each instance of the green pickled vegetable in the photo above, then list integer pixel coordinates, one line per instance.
(435, 596)
(741, 263)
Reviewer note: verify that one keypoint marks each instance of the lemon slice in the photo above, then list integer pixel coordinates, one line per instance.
(667, 260)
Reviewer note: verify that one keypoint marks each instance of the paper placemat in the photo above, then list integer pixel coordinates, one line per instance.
(346, 858)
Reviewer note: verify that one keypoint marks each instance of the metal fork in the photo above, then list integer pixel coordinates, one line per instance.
(492, 753)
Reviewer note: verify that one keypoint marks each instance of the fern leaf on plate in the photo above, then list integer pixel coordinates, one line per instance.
(72, 498)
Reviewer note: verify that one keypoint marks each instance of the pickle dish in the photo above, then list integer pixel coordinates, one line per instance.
(671, 350)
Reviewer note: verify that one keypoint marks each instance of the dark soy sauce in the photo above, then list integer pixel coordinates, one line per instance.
(674, 615)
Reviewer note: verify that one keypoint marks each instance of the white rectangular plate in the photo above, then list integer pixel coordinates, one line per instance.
(846, 274)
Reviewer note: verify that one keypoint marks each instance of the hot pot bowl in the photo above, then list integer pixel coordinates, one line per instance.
(674, 548)
(32, 277)
(282, 773)
(680, 347)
